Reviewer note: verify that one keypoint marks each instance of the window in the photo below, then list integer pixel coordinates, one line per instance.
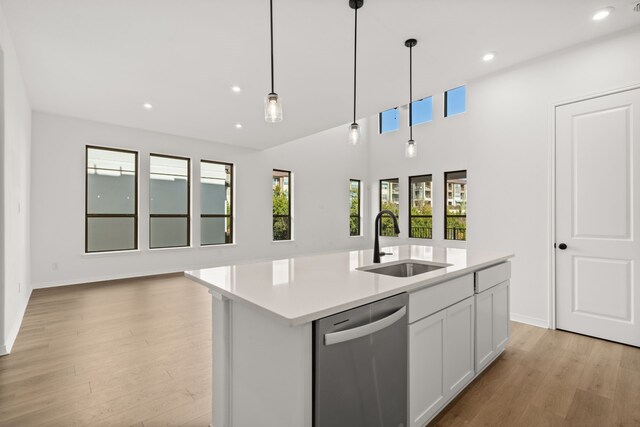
(216, 198)
(455, 101)
(111, 200)
(169, 201)
(422, 111)
(455, 214)
(282, 186)
(354, 207)
(389, 120)
(420, 208)
(390, 200)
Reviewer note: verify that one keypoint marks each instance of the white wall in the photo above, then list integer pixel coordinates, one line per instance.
(15, 181)
(504, 141)
(321, 164)
(509, 155)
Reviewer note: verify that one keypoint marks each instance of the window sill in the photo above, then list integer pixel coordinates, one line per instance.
(109, 253)
(218, 245)
(173, 248)
(283, 241)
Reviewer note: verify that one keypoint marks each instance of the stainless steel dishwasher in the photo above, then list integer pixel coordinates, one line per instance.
(360, 366)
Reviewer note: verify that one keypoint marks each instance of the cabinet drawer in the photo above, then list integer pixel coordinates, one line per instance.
(489, 277)
(427, 301)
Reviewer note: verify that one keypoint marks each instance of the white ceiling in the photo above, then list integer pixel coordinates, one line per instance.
(101, 60)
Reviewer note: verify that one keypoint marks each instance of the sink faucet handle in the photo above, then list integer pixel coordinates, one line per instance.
(382, 253)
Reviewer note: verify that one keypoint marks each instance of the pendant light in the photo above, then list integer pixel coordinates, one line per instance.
(354, 128)
(411, 149)
(272, 103)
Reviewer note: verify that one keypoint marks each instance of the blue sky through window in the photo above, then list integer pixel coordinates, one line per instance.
(389, 120)
(456, 100)
(422, 111)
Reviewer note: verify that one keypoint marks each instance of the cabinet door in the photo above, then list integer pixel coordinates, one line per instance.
(426, 358)
(459, 346)
(501, 321)
(485, 349)
(492, 323)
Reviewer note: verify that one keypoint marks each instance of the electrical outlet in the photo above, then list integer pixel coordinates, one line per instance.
(19, 287)
(54, 266)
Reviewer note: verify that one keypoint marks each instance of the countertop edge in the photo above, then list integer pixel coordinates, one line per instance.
(310, 317)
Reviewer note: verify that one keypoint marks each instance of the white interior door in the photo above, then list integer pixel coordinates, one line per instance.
(597, 193)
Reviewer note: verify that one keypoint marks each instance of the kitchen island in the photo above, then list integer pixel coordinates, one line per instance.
(263, 315)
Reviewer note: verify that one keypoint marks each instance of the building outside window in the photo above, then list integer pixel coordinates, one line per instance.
(456, 205)
(420, 207)
(282, 192)
(216, 199)
(169, 201)
(355, 200)
(111, 200)
(389, 200)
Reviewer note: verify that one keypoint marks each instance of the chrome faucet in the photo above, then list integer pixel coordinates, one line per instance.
(376, 246)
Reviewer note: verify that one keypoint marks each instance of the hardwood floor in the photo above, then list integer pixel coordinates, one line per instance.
(132, 352)
(138, 353)
(552, 378)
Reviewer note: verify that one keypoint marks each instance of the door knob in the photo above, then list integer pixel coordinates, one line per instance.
(562, 246)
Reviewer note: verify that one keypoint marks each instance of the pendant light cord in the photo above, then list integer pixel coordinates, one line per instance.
(410, 92)
(355, 61)
(271, 29)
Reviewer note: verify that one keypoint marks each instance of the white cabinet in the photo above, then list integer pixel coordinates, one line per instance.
(426, 363)
(441, 360)
(459, 346)
(492, 323)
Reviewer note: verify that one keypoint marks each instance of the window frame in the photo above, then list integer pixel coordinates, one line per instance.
(380, 132)
(87, 215)
(380, 204)
(446, 213)
(187, 215)
(288, 215)
(409, 206)
(359, 215)
(446, 101)
(231, 204)
(413, 114)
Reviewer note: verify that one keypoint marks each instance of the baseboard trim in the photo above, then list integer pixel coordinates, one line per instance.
(533, 321)
(13, 334)
(81, 281)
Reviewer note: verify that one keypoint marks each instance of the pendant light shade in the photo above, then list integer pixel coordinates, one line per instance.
(272, 108)
(354, 136)
(411, 149)
(272, 102)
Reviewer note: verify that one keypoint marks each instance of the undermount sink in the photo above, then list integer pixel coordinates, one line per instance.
(406, 268)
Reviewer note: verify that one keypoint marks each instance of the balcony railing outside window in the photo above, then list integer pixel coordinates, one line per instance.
(455, 205)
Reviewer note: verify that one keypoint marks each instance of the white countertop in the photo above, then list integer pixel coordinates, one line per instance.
(306, 288)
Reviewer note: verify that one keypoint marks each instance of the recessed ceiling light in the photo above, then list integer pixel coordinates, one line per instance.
(238, 125)
(236, 89)
(147, 106)
(489, 56)
(602, 13)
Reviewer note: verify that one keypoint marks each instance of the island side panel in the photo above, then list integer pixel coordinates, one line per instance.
(270, 370)
(221, 348)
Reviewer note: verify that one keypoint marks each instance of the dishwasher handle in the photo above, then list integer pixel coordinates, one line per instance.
(364, 330)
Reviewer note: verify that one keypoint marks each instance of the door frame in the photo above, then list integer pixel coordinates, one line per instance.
(552, 189)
